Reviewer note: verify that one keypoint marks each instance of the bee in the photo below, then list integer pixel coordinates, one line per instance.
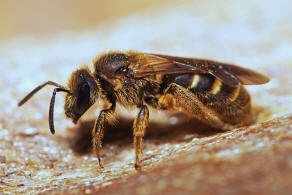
(209, 91)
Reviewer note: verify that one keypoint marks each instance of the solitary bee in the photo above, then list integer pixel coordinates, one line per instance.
(209, 91)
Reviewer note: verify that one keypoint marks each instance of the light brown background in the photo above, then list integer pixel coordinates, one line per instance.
(48, 17)
(47, 41)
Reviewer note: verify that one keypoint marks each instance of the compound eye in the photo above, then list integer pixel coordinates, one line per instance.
(122, 71)
(85, 89)
(83, 99)
(84, 94)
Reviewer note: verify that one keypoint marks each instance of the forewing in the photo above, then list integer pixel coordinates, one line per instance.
(151, 64)
(246, 76)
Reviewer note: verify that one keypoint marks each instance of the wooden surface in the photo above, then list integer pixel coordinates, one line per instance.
(181, 155)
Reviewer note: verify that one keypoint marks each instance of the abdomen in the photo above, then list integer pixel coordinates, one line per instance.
(231, 104)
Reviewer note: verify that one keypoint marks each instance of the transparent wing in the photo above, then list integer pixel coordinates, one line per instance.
(151, 64)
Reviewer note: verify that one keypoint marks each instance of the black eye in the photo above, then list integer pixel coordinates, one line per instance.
(83, 99)
(85, 89)
(122, 71)
(84, 93)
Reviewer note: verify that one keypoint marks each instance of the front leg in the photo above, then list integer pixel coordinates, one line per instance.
(97, 131)
(139, 127)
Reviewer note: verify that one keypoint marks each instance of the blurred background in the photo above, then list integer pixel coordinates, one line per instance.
(47, 17)
(47, 40)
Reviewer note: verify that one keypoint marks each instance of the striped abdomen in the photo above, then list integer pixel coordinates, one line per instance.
(231, 104)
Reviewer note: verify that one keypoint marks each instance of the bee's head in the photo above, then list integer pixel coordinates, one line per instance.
(84, 93)
(81, 94)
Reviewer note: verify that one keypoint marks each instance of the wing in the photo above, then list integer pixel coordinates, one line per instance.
(151, 64)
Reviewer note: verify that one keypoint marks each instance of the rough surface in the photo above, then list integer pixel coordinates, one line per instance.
(181, 155)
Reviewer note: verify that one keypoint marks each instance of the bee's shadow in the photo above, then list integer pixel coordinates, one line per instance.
(122, 132)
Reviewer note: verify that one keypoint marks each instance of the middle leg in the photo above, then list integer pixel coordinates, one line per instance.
(139, 127)
(97, 131)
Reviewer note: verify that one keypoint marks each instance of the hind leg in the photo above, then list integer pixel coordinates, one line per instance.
(189, 102)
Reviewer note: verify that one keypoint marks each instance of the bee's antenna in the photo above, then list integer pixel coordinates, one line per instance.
(51, 110)
(28, 96)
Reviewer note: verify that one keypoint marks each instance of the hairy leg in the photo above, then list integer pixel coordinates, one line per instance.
(190, 103)
(139, 127)
(97, 132)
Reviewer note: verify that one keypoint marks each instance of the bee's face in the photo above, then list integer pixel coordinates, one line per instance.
(84, 94)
